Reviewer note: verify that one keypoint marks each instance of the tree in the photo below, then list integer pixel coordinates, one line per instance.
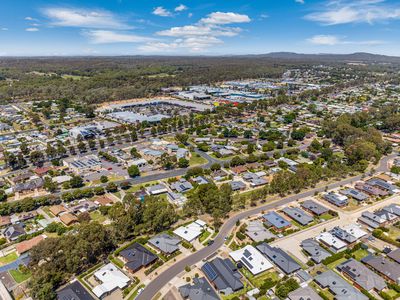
(133, 171)
(50, 185)
(111, 187)
(182, 138)
(36, 157)
(215, 167)
(183, 163)
(103, 179)
(76, 182)
(3, 196)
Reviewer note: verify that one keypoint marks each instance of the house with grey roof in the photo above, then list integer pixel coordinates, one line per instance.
(388, 269)
(199, 290)
(223, 274)
(136, 256)
(338, 286)
(369, 189)
(395, 255)
(314, 207)
(382, 184)
(156, 189)
(257, 231)
(74, 291)
(273, 219)
(181, 186)
(165, 243)
(336, 199)
(393, 209)
(388, 217)
(299, 215)
(361, 276)
(280, 258)
(237, 185)
(304, 293)
(343, 235)
(13, 232)
(355, 194)
(313, 248)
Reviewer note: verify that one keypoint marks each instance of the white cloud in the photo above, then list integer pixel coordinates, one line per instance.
(181, 7)
(359, 11)
(74, 17)
(222, 18)
(3, 29)
(162, 12)
(30, 19)
(108, 37)
(199, 36)
(299, 1)
(32, 29)
(324, 40)
(190, 15)
(332, 40)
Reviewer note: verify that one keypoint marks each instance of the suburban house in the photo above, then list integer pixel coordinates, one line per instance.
(388, 269)
(74, 291)
(257, 231)
(331, 241)
(338, 286)
(336, 199)
(136, 257)
(110, 278)
(314, 207)
(273, 219)
(252, 259)
(355, 194)
(223, 274)
(165, 243)
(13, 232)
(200, 289)
(280, 258)
(304, 293)
(361, 276)
(299, 215)
(316, 252)
(191, 231)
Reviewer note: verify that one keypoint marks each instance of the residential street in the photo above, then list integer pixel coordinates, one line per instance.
(154, 287)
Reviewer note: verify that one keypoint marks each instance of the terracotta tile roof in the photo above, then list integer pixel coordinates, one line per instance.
(68, 219)
(57, 209)
(29, 244)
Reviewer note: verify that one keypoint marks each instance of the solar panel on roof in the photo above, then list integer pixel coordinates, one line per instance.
(247, 263)
(209, 271)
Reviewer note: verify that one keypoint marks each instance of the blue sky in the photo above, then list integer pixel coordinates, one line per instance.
(198, 27)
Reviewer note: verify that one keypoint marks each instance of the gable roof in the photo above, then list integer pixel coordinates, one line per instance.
(250, 257)
(298, 215)
(280, 258)
(361, 275)
(257, 231)
(313, 248)
(276, 220)
(314, 207)
(223, 273)
(338, 286)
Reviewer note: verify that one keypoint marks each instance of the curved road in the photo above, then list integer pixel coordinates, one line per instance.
(161, 280)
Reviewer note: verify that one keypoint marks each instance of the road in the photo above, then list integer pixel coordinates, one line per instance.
(159, 282)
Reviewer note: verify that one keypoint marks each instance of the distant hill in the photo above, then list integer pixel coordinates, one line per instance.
(353, 57)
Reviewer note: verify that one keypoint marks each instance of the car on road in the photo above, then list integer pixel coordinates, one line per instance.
(210, 242)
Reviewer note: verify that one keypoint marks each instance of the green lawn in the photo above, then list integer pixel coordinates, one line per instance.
(238, 294)
(196, 159)
(8, 258)
(326, 217)
(19, 276)
(97, 216)
(391, 293)
(360, 254)
(204, 236)
(336, 263)
(260, 279)
(119, 263)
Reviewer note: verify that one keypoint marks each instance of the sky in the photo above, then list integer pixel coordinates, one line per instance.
(198, 27)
